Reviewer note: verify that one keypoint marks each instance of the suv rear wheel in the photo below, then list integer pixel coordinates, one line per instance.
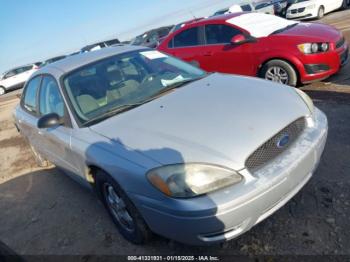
(279, 71)
(122, 211)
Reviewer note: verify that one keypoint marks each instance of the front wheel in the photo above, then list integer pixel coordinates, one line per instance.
(122, 211)
(2, 91)
(279, 71)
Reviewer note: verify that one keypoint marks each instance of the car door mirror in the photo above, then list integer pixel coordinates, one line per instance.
(50, 120)
(242, 39)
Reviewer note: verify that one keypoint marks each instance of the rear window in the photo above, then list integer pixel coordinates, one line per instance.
(189, 37)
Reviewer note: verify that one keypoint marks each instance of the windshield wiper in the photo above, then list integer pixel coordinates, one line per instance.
(126, 107)
(112, 112)
(283, 29)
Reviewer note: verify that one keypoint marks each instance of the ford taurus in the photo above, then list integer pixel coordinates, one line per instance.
(198, 158)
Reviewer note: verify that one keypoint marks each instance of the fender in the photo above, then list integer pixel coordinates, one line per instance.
(283, 55)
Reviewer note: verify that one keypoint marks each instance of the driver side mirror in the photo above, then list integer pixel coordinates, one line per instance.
(50, 120)
(242, 39)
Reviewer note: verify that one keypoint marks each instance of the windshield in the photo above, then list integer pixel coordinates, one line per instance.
(121, 82)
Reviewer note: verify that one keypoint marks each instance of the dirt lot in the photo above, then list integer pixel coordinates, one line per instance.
(45, 212)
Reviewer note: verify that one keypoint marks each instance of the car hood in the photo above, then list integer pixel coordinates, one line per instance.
(220, 119)
(314, 32)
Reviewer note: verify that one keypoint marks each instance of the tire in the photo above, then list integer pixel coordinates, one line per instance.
(2, 90)
(281, 68)
(39, 159)
(135, 231)
(345, 4)
(320, 12)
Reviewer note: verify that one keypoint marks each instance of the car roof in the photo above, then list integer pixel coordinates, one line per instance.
(73, 62)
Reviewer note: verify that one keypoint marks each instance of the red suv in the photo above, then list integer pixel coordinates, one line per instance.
(261, 45)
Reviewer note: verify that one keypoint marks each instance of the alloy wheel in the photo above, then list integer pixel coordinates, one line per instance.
(277, 74)
(117, 207)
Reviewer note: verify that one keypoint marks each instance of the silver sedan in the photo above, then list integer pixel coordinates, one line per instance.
(198, 158)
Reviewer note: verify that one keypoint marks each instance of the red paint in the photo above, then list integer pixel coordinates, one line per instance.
(247, 58)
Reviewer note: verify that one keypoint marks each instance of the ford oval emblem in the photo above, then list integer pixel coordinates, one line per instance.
(283, 141)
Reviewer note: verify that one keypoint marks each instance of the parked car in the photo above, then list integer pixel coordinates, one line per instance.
(52, 60)
(263, 7)
(152, 37)
(16, 77)
(151, 135)
(261, 45)
(280, 7)
(99, 45)
(301, 9)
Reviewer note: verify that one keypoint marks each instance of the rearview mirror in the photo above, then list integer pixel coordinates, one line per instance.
(241, 39)
(50, 120)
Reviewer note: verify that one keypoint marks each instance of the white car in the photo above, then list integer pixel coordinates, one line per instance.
(307, 9)
(15, 78)
(264, 7)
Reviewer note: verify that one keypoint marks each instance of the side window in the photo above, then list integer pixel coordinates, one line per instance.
(50, 98)
(189, 37)
(10, 74)
(23, 69)
(246, 8)
(220, 34)
(29, 100)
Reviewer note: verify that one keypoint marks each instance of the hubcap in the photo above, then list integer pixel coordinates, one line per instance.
(277, 74)
(118, 208)
(2, 91)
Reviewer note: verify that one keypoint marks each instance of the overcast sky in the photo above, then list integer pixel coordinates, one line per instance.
(34, 30)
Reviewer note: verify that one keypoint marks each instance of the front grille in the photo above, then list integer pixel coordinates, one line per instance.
(300, 10)
(294, 11)
(340, 43)
(270, 149)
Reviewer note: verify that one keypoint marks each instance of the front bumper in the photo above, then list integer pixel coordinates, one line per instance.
(227, 213)
(333, 60)
(301, 13)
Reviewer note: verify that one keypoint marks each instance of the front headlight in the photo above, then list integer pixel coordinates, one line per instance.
(306, 99)
(310, 7)
(193, 179)
(313, 48)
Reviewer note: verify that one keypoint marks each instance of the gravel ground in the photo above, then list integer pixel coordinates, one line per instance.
(43, 212)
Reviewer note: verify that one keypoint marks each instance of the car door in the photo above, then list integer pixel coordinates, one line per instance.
(187, 45)
(23, 73)
(222, 56)
(9, 80)
(55, 141)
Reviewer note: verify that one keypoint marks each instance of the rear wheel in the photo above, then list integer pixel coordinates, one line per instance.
(320, 12)
(2, 91)
(279, 71)
(122, 211)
